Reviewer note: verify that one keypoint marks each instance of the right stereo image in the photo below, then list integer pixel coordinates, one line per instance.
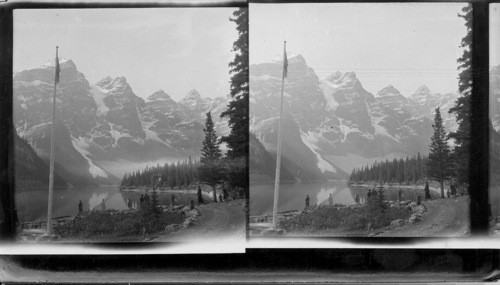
(360, 120)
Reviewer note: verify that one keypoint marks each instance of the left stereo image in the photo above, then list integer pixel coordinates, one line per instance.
(131, 125)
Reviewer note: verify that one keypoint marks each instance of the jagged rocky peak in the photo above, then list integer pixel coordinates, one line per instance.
(110, 83)
(104, 82)
(296, 59)
(159, 95)
(63, 63)
(389, 91)
(422, 94)
(339, 77)
(423, 90)
(293, 59)
(334, 76)
(193, 94)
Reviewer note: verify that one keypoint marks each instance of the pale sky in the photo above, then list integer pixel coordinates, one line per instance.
(405, 45)
(174, 49)
(494, 34)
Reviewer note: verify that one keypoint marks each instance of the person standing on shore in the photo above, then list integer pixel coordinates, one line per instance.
(141, 200)
(381, 193)
(330, 200)
(129, 204)
(307, 201)
(80, 207)
(427, 192)
(224, 192)
(453, 189)
(200, 197)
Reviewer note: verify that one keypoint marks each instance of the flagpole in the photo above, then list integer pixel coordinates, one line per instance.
(278, 150)
(52, 141)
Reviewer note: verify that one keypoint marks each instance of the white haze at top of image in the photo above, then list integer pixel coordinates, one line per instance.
(174, 49)
(405, 45)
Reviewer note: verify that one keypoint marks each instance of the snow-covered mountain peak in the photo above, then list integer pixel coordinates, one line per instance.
(296, 59)
(159, 95)
(422, 95)
(63, 62)
(105, 81)
(192, 95)
(193, 99)
(338, 78)
(388, 91)
(334, 76)
(423, 90)
(293, 59)
(108, 83)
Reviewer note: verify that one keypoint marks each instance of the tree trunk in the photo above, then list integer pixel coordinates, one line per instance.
(215, 194)
(442, 188)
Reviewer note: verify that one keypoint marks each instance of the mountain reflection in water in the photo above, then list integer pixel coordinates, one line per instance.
(292, 196)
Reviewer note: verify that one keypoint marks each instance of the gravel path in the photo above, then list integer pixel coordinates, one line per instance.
(442, 218)
(226, 220)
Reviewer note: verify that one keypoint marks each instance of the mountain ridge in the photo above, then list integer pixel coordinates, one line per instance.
(337, 118)
(106, 126)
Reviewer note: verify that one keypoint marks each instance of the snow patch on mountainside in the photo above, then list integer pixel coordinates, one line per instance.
(98, 95)
(323, 165)
(150, 135)
(379, 130)
(328, 89)
(116, 134)
(345, 129)
(80, 144)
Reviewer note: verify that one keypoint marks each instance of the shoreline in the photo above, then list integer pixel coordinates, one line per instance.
(407, 187)
(206, 193)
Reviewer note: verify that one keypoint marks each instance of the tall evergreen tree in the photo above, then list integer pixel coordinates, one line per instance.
(237, 110)
(211, 170)
(440, 161)
(462, 108)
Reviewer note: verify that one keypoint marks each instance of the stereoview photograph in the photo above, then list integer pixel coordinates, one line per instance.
(358, 126)
(128, 125)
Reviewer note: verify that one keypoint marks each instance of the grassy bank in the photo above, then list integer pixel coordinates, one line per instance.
(370, 216)
(117, 226)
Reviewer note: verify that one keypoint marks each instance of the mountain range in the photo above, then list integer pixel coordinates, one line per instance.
(332, 125)
(104, 129)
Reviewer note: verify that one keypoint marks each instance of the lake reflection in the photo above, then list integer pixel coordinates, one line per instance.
(31, 203)
(292, 196)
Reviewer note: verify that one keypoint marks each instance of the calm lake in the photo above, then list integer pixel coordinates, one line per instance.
(292, 196)
(31, 204)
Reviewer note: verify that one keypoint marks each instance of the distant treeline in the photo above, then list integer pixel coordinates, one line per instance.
(178, 174)
(411, 169)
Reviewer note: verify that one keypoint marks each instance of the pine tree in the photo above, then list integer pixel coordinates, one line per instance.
(211, 171)
(440, 161)
(462, 107)
(237, 110)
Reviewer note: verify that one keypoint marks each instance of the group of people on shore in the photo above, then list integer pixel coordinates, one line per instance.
(451, 192)
(80, 206)
(146, 198)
